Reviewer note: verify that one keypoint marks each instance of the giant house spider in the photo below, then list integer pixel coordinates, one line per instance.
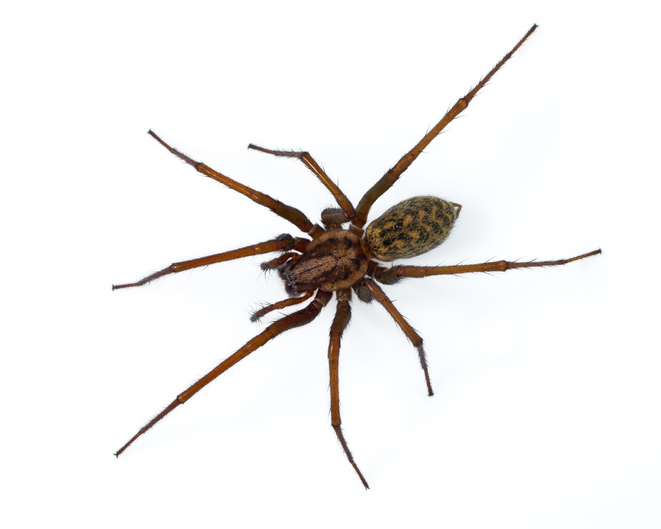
(337, 259)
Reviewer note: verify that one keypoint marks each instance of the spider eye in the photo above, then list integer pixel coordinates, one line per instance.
(412, 227)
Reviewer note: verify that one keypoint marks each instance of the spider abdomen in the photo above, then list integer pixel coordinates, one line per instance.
(410, 228)
(332, 261)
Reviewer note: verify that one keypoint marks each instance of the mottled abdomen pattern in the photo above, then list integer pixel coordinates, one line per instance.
(411, 228)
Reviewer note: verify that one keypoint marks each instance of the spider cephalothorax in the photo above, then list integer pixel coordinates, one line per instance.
(341, 256)
(332, 261)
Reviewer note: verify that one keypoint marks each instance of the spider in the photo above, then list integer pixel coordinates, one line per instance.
(340, 259)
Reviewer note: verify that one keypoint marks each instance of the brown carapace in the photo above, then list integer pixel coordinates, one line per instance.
(338, 258)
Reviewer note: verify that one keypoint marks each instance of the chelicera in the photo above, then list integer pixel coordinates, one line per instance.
(343, 256)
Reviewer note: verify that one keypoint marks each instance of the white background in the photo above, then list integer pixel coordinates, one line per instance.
(546, 411)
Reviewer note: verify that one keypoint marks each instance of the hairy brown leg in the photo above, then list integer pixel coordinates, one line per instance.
(410, 332)
(340, 322)
(311, 164)
(280, 305)
(402, 165)
(297, 319)
(280, 260)
(289, 213)
(283, 242)
(392, 275)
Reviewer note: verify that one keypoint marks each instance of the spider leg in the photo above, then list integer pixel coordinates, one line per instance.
(289, 213)
(340, 322)
(410, 332)
(392, 275)
(402, 165)
(311, 164)
(280, 305)
(297, 319)
(278, 261)
(283, 242)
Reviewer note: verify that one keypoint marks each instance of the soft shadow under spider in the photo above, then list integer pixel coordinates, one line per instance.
(341, 259)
